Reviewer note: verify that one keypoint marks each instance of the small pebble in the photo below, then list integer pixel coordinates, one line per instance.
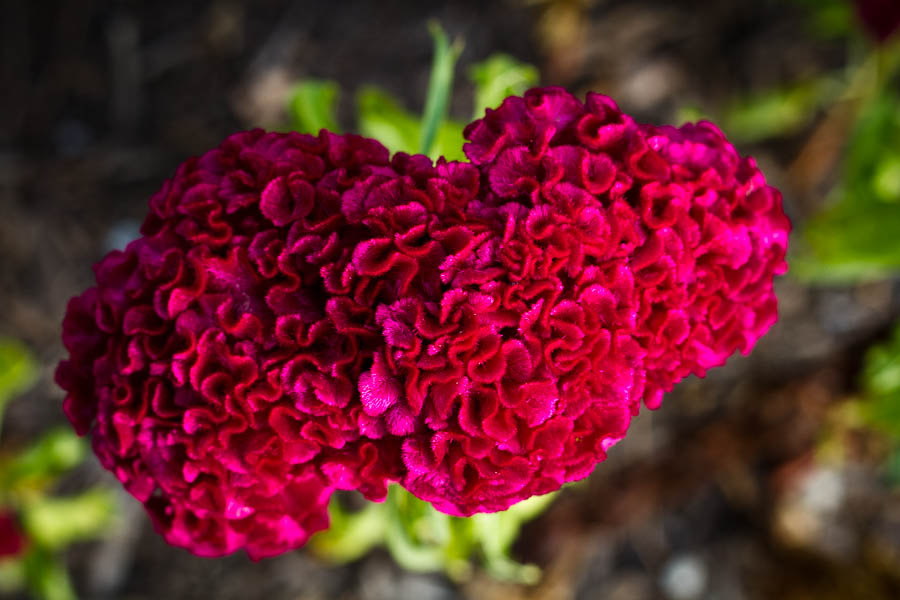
(121, 234)
(684, 577)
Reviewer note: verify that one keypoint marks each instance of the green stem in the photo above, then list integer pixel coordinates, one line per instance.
(439, 85)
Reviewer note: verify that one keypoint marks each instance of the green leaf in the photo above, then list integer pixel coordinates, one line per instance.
(412, 542)
(880, 403)
(18, 371)
(312, 106)
(498, 531)
(858, 241)
(498, 77)
(881, 387)
(440, 85)
(55, 452)
(834, 269)
(47, 576)
(886, 182)
(449, 142)
(54, 523)
(780, 111)
(381, 117)
(420, 538)
(858, 236)
(350, 535)
(831, 19)
(691, 113)
(460, 539)
(878, 122)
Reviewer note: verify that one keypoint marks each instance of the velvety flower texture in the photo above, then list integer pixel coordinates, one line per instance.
(12, 542)
(304, 314)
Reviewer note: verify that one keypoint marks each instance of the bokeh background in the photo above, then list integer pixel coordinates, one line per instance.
(760, 482)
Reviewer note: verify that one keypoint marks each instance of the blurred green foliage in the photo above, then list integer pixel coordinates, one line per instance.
(28, 477)
(499, 77)
(18, 371)
(857, 237)
(831, 19)
(880, 403)
(781, 111)
(419, 537)
(36, 466)
(313, 106)
(54, 523)
(312, 103)
(785, 110)
(880, 386)
(439, 86)
(422, 539)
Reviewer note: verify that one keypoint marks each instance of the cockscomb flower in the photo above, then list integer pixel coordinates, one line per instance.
(12, 541)
(304, 314)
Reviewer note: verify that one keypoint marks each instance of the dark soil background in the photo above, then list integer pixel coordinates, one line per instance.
(718, 495)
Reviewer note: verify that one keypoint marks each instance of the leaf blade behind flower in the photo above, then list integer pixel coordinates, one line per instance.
(312, 105)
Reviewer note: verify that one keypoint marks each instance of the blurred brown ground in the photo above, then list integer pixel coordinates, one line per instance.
(716, 495)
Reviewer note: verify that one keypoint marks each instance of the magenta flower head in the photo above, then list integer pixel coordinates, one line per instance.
(12, 541)
(303, 314)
